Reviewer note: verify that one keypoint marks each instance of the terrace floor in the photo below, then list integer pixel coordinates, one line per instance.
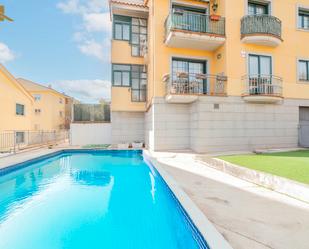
(247, 215)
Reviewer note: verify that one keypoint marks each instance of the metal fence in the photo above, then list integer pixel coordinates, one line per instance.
(194, 22)
(269, 85)
(261, 24)
(197, 84)
(13, 141)
(91, 113)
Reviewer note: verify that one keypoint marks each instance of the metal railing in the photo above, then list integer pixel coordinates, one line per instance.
(199, 84)
(12, 141)
(260, 24)
(268, 85)
(91, 113)
(194, 22)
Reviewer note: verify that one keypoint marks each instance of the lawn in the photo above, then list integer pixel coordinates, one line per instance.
(293, 165)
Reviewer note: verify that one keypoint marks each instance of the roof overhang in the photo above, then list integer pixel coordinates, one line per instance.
(128, 8)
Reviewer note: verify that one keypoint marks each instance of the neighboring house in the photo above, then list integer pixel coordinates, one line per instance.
(49, 107)
(15, 104)
(210, 75)
(69, 102)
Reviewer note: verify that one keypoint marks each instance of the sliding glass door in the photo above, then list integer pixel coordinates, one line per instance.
(260, 74)
(189, 75)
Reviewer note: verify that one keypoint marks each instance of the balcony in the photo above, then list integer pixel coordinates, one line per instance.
(186, 88)
(192, 30)
(262, 88)
(261, 30)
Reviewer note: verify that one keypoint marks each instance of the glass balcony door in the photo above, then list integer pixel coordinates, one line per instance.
(257, 8)
(188, 76)
(260, 74)
(189, 18)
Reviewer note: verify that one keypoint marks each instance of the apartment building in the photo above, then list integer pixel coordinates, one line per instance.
(50, 107)
(215, 75)
(15, 104)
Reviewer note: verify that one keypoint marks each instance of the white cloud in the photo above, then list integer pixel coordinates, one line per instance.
(6, 54)
(92, 48)
(85, 90)
(97, 22)
(95, 19)
(70, 6)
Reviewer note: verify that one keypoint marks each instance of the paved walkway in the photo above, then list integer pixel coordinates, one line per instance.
(248, 216)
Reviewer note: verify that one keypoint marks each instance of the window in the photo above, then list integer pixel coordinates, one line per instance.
(185, 71)
(121, 75)
(139, 36)
(20, 137)
(37, 97)
(60, 113)
(303, 19)
(259, 65)
(257, 8)
(37, 111)
(303, 70)
(134, 76)
(20, 109)
(60, 100)
(122, 26)
(139, 83)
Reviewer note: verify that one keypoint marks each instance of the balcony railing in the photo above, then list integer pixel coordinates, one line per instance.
(261, 24)
(196, 84)
(194, 22)
(264, 85)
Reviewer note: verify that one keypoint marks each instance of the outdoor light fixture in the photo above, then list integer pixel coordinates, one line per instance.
(214, 5)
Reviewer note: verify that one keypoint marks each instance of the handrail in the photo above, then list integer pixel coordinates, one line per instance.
(195, 22)
(197, 84)
(260, 84)
(261, 24)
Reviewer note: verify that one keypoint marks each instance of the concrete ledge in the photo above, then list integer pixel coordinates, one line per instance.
(213, 238)
(279, 184)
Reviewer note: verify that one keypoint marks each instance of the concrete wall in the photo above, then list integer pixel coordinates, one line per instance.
(127, 127)
(91, 133)
(233, 126)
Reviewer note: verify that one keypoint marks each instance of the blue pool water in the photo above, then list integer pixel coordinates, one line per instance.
(92, 200)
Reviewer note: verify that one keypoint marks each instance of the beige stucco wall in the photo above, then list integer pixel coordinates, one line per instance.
(10, 95)
(49, 118)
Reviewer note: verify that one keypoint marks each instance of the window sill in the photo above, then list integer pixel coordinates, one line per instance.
(302, 30)
(305, 82)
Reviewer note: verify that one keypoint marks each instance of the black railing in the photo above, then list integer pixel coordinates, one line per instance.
(194, 22)
(261, 24)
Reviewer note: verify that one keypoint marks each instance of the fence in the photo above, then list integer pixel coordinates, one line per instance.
(91, 113)
(194, 22)
(13, 141)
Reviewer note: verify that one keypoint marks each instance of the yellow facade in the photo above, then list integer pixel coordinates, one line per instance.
(11, 94)
(49, 109)
(229, 59)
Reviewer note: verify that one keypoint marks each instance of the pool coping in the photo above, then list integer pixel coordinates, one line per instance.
(214, 239)
(293, 189)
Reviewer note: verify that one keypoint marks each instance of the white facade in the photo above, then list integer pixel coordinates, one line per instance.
(90, 133)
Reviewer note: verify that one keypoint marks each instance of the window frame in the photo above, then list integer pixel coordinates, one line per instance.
(23, 109)
(263, 4)
(17, 137)
(307, 70)
(140, 78)
(298, 15)
(259, 63)
(139, 26)
(122, 23)
(140, 71)
(121, 71)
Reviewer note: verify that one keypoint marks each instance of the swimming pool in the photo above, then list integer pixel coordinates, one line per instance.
(92, 199)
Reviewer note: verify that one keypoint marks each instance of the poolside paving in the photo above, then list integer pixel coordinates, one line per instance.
(247, 215)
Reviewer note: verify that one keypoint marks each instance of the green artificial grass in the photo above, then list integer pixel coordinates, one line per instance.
(293, 165)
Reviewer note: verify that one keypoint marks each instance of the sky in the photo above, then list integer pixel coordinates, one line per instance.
(63, 43)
